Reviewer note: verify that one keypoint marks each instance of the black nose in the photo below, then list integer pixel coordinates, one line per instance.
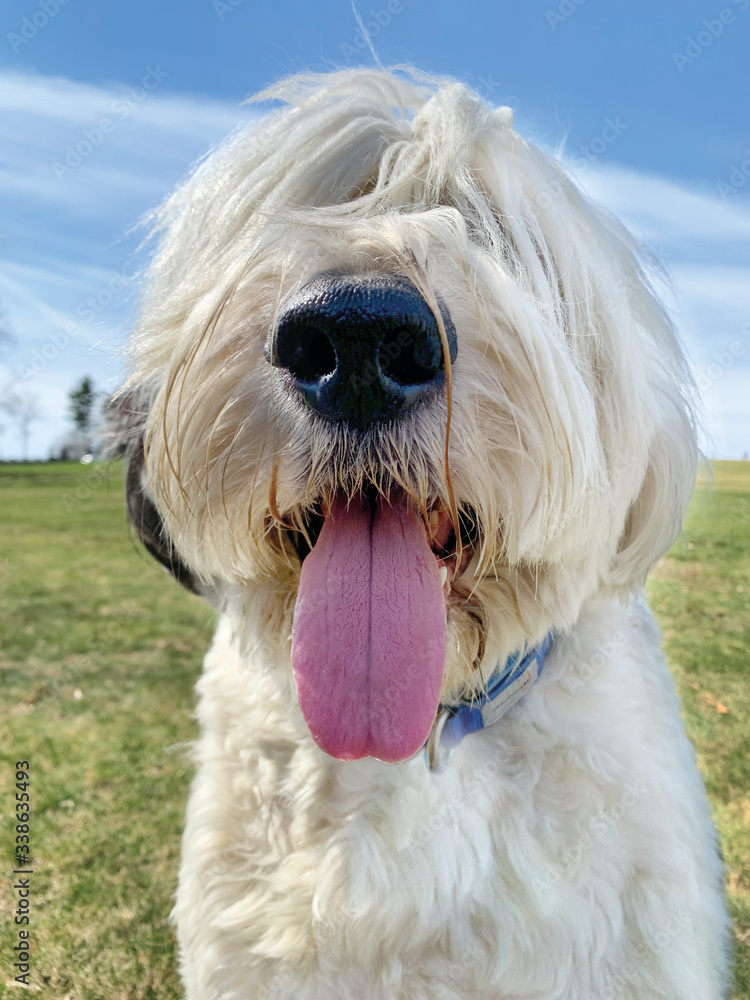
(361, 350)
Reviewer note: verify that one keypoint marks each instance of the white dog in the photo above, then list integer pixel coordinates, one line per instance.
(412, 419)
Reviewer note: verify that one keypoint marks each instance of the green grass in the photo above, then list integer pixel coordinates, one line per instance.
(98, 655)
(700, 595)
(99, 651)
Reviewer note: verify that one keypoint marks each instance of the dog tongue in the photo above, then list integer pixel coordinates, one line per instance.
(368, 637)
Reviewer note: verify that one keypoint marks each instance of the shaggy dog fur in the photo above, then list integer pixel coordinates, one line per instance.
(566, 852)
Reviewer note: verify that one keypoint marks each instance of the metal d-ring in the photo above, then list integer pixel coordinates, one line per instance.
(432, 747)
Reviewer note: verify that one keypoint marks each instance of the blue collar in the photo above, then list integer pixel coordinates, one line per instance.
(504, 688)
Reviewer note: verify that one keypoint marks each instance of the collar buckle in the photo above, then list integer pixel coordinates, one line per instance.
(432, 746)
(504, 689)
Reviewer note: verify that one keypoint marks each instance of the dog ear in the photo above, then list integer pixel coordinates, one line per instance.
(147, 521)
(655, 517)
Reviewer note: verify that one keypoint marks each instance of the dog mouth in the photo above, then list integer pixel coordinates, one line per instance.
(453, 550)
(370, 620)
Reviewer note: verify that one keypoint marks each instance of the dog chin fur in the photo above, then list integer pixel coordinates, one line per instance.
(568, 851)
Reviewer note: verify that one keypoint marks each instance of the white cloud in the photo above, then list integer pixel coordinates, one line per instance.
(63, 262)
(83, 148)
(725, 396)
(710, 282)
(665, 210)
(696, 232)
(82, 104)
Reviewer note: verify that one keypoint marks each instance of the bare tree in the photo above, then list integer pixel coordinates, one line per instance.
(22, 406)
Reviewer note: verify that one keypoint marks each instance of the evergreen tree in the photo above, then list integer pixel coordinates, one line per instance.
(81, 406)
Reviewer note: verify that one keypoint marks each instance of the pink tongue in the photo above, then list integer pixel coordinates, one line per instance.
(368, 638)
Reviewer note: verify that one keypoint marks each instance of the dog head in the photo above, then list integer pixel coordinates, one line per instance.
(405, 391)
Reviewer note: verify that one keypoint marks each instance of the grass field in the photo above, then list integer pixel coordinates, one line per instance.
(98, 655)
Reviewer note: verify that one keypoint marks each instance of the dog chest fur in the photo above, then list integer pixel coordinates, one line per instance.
(554, 856)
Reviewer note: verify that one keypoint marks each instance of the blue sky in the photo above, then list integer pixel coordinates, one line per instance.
(647, 102)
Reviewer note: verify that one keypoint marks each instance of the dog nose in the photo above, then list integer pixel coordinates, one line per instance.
(362, 350)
